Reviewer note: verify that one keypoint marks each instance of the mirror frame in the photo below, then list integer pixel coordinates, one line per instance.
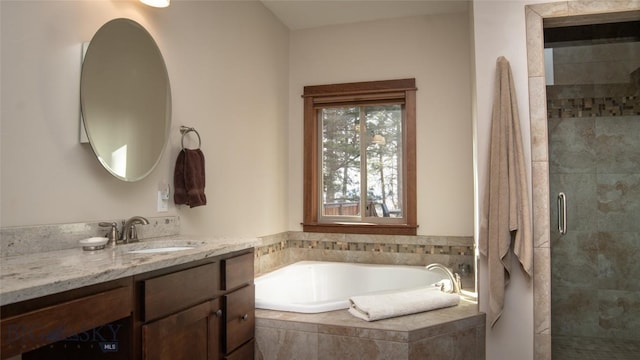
(120, 51)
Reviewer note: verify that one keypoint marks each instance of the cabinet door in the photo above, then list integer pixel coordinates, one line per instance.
(240, 319)
(190, 334)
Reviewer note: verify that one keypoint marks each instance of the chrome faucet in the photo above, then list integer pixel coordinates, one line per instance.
(455, 278)
(129, 232)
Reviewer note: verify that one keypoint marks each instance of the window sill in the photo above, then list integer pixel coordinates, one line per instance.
(378, 229)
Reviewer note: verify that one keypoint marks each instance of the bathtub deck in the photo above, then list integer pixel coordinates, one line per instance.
(451, 333)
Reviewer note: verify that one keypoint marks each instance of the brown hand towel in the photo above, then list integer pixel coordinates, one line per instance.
(505, 228)
(189, 179)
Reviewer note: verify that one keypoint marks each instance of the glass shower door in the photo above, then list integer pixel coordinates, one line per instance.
(593, 105)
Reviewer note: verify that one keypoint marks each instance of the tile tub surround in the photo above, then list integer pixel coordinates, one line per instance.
(287, 248)
(450, 333)
(25, 277)
(22, 240)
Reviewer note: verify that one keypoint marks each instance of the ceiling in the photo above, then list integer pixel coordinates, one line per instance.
(302, 14)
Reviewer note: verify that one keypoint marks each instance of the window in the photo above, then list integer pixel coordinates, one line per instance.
(360, 158)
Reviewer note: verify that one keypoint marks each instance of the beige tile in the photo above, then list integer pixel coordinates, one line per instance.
(277, 344)
(435, 348)
(443, 327)
(283, 320)
(367, 238)
(598, 6)
(365, 333)
(540, 203)
(542, 347)
(465, 344)
(481, 340)
(551, 9)
(275, 238)
(270, 262)
(457, 345)
(331, 347)
(340, 334)
(542, 291)
(295, 235)
(535, 43)
(538, 118)
(324, 236)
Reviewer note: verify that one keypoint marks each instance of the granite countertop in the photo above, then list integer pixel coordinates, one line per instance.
(25, 277)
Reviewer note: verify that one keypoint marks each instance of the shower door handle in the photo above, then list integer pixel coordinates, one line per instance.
(562, 213)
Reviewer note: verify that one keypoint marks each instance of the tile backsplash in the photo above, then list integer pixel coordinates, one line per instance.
(21, 240)
(456, 252)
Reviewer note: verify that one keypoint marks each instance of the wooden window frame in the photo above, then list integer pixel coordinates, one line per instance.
(361, 92)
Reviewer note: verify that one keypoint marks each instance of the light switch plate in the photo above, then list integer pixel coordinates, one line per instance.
(163, 202)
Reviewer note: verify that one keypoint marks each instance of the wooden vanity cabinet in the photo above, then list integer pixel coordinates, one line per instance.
(203, 310)
(199, 310)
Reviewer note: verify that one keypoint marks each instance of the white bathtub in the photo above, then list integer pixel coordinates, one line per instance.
(318, 286)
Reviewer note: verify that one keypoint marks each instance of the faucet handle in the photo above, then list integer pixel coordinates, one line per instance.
(458, 280)
(112, 234)
(132, 233)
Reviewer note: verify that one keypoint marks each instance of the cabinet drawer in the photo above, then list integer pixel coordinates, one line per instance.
(47, 325)
(170, 293)
(240, 319)
(245, 352)
(237, 271)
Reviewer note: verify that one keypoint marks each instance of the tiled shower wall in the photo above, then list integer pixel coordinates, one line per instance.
(456, 253)
(594, 157)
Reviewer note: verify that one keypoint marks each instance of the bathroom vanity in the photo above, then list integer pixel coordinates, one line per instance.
(206, 309)
(196, 304)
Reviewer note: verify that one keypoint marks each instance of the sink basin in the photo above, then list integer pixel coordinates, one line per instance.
(161, 249)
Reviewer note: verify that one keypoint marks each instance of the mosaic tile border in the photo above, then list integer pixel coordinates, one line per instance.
(381, 247)
(593, 106)
(271, 249)
(378, 246)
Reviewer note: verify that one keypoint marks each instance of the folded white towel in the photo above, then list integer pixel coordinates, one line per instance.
(402, 302)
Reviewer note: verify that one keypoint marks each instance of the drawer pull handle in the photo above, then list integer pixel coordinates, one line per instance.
(244, 317)
(219, 313)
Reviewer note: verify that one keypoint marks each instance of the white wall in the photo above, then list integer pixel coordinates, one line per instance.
(228, 67)
(499, 30)
(436, 51)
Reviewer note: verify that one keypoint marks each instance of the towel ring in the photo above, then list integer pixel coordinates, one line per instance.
(184, 130)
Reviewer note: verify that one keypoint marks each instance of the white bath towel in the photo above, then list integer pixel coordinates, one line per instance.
(401, 302)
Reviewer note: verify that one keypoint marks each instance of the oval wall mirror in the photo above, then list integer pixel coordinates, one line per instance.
(126, 99)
